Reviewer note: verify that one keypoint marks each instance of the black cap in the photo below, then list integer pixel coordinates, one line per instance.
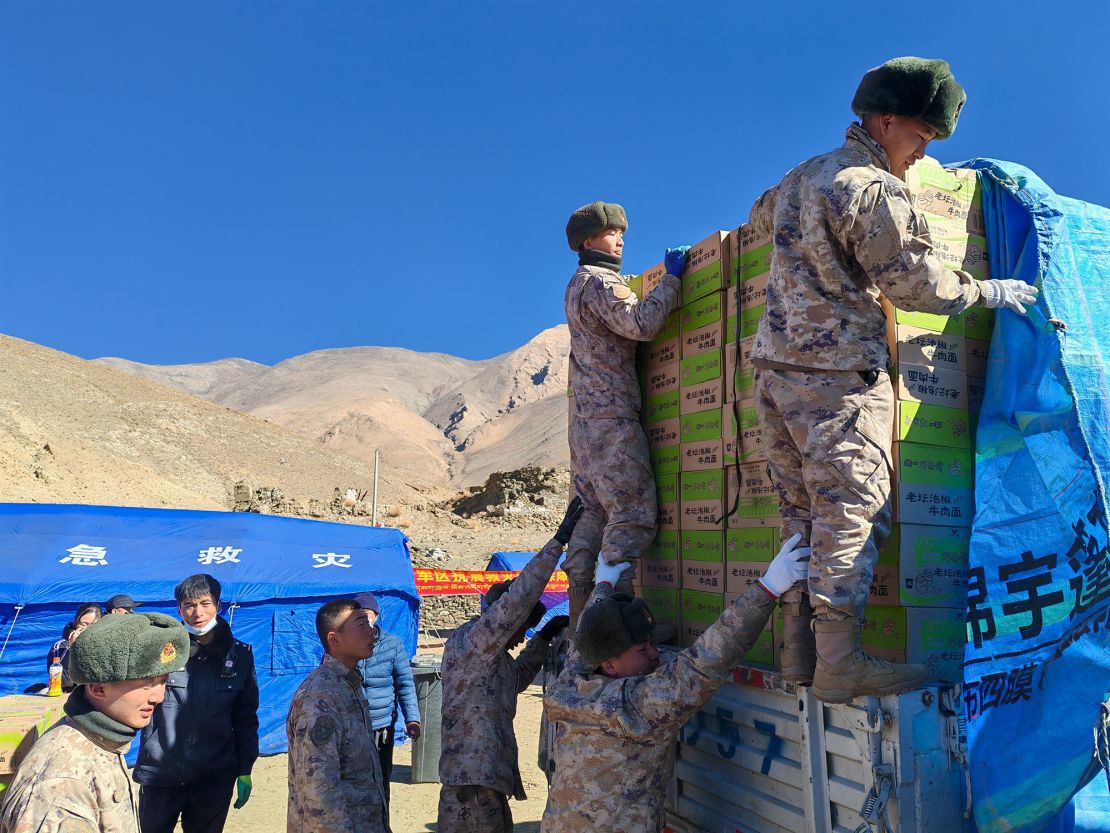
(122, 600)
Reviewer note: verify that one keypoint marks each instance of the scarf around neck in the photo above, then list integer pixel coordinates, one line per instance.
(604, 260)
(81, 712)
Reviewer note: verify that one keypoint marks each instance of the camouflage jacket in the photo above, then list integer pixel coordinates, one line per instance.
(614, 738)
(481, 683)
(845, 231)
(606, 321)
(335, 777)
(73, 781)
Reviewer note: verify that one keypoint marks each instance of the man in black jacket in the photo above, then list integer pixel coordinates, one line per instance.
(203, 739)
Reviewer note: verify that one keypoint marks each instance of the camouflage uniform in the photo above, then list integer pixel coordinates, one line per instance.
(845, 231)
(614, 738)
(480, 686)
(72, 781)
(335, 779)
(608, 449)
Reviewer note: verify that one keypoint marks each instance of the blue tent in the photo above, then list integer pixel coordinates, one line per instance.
(517, 561)
(1037, 662)
(275, 573)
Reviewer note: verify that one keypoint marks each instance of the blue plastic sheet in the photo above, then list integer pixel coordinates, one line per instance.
(1038, 653)
(275, 572)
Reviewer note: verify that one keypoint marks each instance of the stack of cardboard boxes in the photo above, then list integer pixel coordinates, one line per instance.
(23, 719)
(918, 595)
(718, 510)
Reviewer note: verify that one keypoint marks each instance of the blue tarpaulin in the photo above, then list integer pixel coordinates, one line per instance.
(517, 561)
(1038, 654)
(275, 573)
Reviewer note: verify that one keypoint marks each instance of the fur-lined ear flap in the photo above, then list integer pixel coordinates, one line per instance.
(918, 87)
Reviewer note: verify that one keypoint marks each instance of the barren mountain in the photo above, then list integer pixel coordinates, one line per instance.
(77, 431)
(434, 417)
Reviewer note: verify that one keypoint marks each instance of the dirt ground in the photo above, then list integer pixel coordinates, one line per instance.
(412, 806)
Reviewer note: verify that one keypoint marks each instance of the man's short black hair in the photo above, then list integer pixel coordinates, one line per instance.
(328, 616)
(196, 586)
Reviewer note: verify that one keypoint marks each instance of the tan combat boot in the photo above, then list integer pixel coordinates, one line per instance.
(799, 646)
(845, 671)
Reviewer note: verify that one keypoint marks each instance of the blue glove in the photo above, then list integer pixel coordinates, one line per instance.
(675, 261)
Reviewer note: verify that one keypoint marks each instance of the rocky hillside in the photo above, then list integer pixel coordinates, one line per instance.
(435, 417)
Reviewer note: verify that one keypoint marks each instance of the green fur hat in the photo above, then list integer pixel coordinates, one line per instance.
(128, 646)
(611, 626)
(917, 87)
(593, 219)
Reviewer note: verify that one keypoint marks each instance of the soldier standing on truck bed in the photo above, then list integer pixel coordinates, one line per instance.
(608, 449)
(478, 760)
(617, 711)
(845, 231)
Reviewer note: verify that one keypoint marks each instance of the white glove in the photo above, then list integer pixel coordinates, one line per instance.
(609, 572)
(787, 568)
(1008, 294)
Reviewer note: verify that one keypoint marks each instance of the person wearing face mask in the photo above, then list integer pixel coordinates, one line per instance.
(203, 740)
(478, 759)
(845, 233)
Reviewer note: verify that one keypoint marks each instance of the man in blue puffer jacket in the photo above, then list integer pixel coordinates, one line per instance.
(387, 681)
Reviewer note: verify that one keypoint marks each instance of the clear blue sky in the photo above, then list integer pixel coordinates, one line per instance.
(188, 181)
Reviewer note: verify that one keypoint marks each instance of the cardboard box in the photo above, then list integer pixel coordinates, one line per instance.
(932, 425)
(961, 251)
(755, 254)
(744, 385)
(758, 544)
(977, 322)
(732, 315)
(702, 499)
(702, 324)
(932, 386)
(659, 566)
(663, 547)
(752, 449)
(666, 459)
(758, 498)
(23, 719)
(933, 485)
(652, 277)
(930, 565)
(731, 360)
(952, 325)
(976, 355)
(701, 380)
(660, 434)
(741, 575)
(918, 346)
(663, 603)
(730, 438)
(934, 637)
(703, 575)
(699, 610)
(752, 520)
(706, 267)
(666, 347)
(733, 257)
(976, 389)
(953, 196)
(749, 320)
(702, 545)
(661, 407)
(702, 444)
(636, 284)
(659, 379)
(666, 496)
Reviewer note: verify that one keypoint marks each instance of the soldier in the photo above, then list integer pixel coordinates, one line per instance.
(608, 449)
(845, 231)
(478, 762)
(617, 711)
(335, 779)
(74, 779)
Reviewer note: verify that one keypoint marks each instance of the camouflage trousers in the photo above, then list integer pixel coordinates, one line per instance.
(612, 475)
(473, 809)
(828, 439)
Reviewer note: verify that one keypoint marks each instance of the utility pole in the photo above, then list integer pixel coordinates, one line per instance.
(374, 500)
